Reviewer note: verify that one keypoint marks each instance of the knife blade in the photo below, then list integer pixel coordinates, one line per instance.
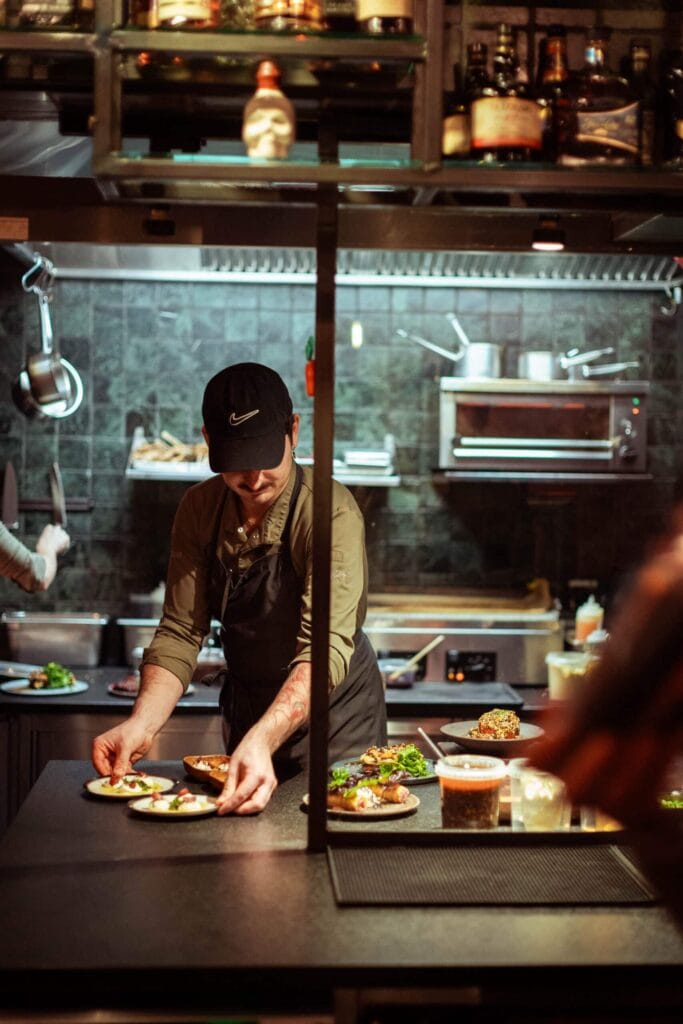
(10, 498)
(57, 493)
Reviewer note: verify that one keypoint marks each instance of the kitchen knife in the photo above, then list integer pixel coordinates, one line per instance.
(57, 493)
(10, 498)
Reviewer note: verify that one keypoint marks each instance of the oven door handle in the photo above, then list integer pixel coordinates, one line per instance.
(524, 443)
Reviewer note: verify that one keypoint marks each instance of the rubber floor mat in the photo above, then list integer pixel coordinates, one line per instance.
(485, 876)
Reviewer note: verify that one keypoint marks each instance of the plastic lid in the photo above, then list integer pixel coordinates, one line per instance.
(472, 767)
(567, 658)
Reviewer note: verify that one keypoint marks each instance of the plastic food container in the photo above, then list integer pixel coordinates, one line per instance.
(470, 790)
(566, 669)
(388, 666)
(68, 638)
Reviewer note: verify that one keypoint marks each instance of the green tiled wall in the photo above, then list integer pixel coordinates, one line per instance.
(145, 351)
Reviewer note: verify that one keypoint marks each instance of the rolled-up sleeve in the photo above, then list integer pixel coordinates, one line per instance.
(24, 567)
(186, 617)
(348, 588)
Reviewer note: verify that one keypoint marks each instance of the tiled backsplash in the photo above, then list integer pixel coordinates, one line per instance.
(145, 351)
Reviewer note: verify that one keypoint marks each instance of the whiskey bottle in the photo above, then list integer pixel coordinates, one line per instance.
(385, 17)
(553, 92)
(643, 87)
(603, 121)
(455, 138)
(505, 119)
(289, 15)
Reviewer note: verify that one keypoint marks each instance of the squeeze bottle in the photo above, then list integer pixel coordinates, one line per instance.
(589, 616)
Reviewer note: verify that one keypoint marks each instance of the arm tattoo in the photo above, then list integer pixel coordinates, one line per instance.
(291, 707)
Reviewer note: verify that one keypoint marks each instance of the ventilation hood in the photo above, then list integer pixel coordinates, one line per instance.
(296, 265)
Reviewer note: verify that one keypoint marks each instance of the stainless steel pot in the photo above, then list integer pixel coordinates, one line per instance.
(538, 364)
(472, 359)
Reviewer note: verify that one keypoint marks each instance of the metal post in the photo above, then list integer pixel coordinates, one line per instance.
(323, 435)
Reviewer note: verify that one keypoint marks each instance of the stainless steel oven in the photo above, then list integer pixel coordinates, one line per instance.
(556, 427)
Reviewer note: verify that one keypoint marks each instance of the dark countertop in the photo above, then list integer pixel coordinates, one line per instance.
(101, 908)
(426, 699)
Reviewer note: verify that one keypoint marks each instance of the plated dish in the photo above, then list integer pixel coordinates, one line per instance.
(130, 685)
(409, 806)
(23, 688)
(459, 731)
(356, 765)
(175, 807)
(131, 785)
(201, 766)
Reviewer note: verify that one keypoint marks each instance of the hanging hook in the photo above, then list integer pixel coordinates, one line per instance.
(674, 297)
(38, 278)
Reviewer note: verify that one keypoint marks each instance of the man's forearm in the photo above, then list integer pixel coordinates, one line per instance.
(290, 709)
(160, 691)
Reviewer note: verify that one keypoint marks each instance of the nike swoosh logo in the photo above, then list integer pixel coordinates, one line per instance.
(235, 421)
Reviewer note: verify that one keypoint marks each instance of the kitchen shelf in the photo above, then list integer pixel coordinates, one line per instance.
(190, 472)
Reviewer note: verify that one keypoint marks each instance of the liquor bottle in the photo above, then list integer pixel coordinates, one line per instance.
(506, 125)
(289, 15)
(47, 14)
(552, 93)
(385, 17)
(643, 87)
(340, 15)
(603, 121)
(187, 14)
(269, 121)
(672, 110)
(183, 15)
(455, 136)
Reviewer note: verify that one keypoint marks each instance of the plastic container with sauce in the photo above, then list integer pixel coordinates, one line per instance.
(589, 617)
(470, 790)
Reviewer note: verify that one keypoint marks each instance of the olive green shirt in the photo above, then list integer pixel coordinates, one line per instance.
(186, 617)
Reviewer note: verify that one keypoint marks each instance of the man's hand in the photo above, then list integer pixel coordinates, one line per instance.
(251, 778)
(116, 751)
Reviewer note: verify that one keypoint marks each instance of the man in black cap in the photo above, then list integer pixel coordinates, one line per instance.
(241, 552)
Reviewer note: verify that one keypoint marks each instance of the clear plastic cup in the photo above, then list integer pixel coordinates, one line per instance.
(515, 767)
(543, 802)
(566, 671)
(470, 790)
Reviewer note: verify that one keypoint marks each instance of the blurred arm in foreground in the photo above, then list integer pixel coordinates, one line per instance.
(615, 744)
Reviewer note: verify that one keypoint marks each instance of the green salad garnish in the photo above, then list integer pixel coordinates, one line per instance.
(410, 760)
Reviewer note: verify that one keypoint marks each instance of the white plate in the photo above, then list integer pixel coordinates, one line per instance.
(145, 805)
(409, 806)
(101, 786)
(23, 688)
(499, 748)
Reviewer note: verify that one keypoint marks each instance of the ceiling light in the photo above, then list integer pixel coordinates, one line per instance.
(548, 236)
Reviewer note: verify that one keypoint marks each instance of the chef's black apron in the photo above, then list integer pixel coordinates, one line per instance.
(260, 612)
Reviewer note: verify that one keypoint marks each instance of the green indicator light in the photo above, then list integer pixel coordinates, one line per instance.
(635, 401)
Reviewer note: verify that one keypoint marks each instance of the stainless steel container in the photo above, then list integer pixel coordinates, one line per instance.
(507, 647)
(69, 638)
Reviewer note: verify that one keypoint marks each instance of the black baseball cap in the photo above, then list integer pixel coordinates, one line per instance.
(247, 411)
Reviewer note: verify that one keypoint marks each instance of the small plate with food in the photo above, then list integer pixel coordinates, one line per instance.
(405, 760)
(361, 801)
(174, 806)
(52, 680)
(498, 732)
(129, 687)
(132, 784)
(201, 766)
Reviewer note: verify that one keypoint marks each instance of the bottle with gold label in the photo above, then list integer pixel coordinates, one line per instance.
(289, 15)
(385, 17)
(505, 119)
(603, 126)
(455, 137)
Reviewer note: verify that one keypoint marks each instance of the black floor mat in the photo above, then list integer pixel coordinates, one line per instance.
(484, 876)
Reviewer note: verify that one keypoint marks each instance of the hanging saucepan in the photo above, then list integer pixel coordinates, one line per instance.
(48, 385)
(472, 359)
